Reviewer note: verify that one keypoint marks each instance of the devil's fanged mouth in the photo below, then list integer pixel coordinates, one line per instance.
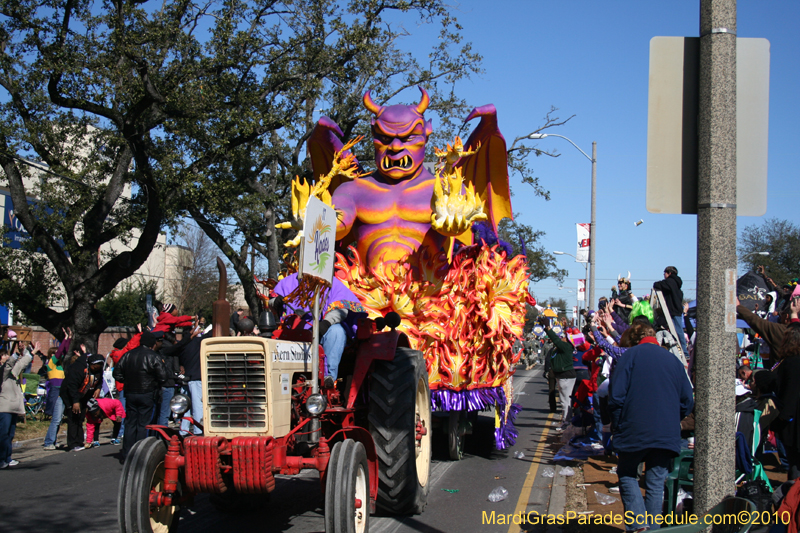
(403, 163)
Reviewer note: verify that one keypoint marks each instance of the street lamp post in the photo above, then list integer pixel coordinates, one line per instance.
(593, 224)
(586, 276)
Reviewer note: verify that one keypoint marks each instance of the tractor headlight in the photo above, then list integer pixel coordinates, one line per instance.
(179, 404)
(316, 404)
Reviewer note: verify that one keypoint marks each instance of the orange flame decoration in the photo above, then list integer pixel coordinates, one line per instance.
(464, 317)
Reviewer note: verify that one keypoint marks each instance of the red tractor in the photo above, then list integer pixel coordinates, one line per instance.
(266, 413)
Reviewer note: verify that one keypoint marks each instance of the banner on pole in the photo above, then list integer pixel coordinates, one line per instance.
(583, 243)
(581, 290)
(319, 234)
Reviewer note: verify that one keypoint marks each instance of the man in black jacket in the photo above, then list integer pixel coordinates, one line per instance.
(142, 372)
(170, 352)
(671, 290)
(82, 380)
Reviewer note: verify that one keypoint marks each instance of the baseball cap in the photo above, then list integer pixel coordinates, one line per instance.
(148, 339)
(120, 343)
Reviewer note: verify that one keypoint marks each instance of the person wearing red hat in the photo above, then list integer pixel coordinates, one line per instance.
(166, 321)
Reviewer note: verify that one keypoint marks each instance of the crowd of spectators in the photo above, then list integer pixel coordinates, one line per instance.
(131, 386)
(627, 382)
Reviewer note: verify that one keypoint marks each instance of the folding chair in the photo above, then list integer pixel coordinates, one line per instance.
(680, 475)
(34, 396)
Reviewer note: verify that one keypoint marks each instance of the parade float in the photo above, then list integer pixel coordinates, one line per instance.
(424, 245)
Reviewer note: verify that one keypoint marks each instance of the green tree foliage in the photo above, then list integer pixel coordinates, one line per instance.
(141, 112)
(78, 108)
(560, 304)
(531, 315)
(130, 96)
(541, 263)
(781, 238)
(330, 53)
(125, 306)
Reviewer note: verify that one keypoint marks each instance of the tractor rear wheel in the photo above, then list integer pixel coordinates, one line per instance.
(400, 424)
(347, 489)
(143, 473)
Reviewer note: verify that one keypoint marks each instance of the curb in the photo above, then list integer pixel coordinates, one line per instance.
(558, 495)
(558, 489)
(24, 443)
(27, 443)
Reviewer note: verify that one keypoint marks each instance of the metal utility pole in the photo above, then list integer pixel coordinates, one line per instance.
(714, 463)
(593, 227)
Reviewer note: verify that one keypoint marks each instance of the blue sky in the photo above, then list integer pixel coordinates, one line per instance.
(591, 59)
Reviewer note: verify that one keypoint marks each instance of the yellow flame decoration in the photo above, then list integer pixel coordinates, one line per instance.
(302, 190)
(464, 317)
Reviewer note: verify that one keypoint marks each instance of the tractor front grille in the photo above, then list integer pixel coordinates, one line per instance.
(237, 390)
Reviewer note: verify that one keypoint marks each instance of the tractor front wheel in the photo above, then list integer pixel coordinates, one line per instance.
(400, 424)
(347, 489)
(142, 474)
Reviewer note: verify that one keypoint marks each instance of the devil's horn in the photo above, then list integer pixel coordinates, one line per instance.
(371, 106)
(629, 275)
(423, 103)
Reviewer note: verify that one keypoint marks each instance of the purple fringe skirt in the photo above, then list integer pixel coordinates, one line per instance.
(476, 400)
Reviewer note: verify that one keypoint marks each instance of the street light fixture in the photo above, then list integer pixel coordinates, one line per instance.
(745, 256)
(593, 224)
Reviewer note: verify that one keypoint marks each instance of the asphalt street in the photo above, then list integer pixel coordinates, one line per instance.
(77, 492)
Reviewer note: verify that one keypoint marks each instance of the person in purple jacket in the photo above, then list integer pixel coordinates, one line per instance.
(649, 395)
(338, 307)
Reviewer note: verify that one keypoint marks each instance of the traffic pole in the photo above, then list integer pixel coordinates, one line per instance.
(716, 346)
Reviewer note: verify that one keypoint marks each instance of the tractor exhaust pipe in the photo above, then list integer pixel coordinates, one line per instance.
(221, 309)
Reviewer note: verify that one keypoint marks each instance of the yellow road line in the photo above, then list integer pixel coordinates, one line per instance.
(530, 478)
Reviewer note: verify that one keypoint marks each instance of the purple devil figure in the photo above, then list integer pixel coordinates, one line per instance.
(388, 213)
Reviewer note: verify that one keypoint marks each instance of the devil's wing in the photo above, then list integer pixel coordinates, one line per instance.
(325, 140)
(488, 169)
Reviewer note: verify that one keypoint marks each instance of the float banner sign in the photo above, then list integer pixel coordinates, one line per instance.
(319, 236)
(583, 243)
(751, 289)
